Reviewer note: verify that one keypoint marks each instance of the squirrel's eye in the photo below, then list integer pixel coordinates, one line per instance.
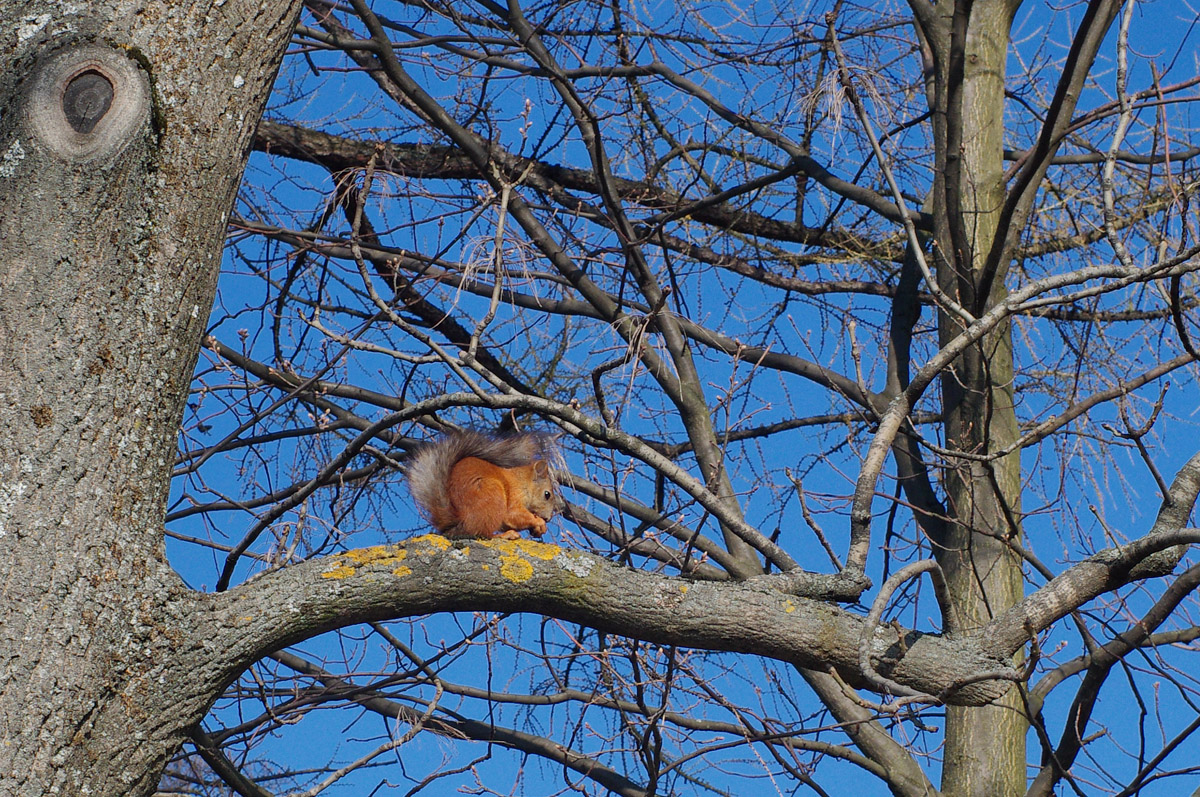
(547, 494)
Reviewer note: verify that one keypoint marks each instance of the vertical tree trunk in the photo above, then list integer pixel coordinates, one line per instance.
(115, 183)
(985, 747)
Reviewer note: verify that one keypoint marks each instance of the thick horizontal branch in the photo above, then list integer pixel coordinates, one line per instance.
(1154, 554)
(1104, 572)
(449, 163)
(428, 574)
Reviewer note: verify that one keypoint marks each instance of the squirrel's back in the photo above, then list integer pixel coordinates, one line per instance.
(472, 484)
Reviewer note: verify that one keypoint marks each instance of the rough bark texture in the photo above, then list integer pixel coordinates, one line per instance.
(427, 575)
(985, 748)
(114, 189)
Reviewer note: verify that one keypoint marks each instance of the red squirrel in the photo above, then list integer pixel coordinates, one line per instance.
(471, 484)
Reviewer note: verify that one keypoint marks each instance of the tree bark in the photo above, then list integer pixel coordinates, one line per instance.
(116, 177)
(985, 747)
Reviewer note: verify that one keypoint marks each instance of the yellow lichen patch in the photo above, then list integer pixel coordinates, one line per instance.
(788, 606)
(402, 570)
(513, 562)
(538, 550)
(378, 554)
(347, 564)
(338, 570)
(433, 541)
(515, 568)
(683, 588)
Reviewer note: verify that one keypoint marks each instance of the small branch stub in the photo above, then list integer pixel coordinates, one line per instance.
(88, 102)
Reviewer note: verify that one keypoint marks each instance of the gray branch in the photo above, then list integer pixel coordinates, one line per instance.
(428, 574)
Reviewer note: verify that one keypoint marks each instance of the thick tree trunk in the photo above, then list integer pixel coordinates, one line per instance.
(985, 748)
(115, 182)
